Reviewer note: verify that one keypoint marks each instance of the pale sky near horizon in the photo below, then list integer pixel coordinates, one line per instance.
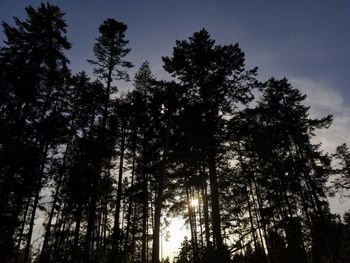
(307, 41)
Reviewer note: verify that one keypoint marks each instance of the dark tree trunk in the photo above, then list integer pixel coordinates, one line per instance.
(35, 204)
(42, 258)
(144, 213)
(215, 204)
(76, 249)
(131, 197)
(116, 230)
(22, 229)
(159, 191)
(206, 213)
(200, 219)
(91, 221)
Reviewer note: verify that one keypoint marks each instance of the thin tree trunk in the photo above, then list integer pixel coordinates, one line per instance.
(22, 229)
(91, 220)
(200, 219)
(42, 258)
(247, 185)
(76, 249)
(256, 216)
(134, 228)
(192, 224)
(116, 230)
(59, 232)
(131, 198)
(105, 226)
(35, 205)
(206, 213)
(144, 214)
(251, 223)
(215, 205)
(159, 191)
(61, 238)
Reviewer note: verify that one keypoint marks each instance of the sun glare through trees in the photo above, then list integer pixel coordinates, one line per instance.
(194, 202)
(211, 164)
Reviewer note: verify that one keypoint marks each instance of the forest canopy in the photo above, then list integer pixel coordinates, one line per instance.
(100, 171)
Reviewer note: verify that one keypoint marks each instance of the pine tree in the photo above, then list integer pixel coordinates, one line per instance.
(109, 51)
(35, 74)
(342, 182)
(215, 80)
(292, 172)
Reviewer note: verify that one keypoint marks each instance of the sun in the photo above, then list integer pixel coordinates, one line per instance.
(194, 202)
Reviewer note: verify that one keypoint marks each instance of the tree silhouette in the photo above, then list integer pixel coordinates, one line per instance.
(342, 182)
(35, 76)
(109, 52)
(215, 79)
(99, 170)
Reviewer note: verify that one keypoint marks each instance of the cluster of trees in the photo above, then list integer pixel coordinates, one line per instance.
(99, 170)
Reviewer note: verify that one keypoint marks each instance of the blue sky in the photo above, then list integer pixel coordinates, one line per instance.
(307, 41)
(296, 39)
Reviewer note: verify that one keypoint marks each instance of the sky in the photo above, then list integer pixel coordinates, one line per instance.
(307, 41)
